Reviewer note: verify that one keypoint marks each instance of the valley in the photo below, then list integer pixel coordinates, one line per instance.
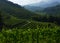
(19, 24)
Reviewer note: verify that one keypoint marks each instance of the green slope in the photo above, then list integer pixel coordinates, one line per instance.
(54, 10)
(10, 21)
(13, 14)
(31, 35)
(15, 10)
(16, 16)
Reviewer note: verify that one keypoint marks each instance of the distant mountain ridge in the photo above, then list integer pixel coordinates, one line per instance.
(45, 4)
(33, 8)
(41, 5)
(54, 10)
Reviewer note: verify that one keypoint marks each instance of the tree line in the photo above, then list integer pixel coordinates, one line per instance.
(50, 18)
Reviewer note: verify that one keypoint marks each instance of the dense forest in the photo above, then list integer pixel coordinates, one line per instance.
(19, 25)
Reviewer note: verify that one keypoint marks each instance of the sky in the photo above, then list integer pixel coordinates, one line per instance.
(26, 2)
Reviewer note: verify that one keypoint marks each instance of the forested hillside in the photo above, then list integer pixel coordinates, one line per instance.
(13, 15)
(15, 10)
(54, 10)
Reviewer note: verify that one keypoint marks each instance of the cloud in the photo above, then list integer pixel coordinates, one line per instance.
(26, 2)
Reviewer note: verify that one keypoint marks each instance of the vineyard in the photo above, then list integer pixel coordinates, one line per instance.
(31, 35)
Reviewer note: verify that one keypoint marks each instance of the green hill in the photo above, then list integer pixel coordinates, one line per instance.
(43, 34)
(14, 14)
(15, 10)
(18, 25)
(54, 10)
(9, 21)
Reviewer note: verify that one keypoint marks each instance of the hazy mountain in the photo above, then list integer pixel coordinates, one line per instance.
(41, 5)
(54, 10)
(45, 4)
(33, 8)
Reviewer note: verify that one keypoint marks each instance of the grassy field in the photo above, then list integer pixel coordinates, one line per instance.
(31, 35)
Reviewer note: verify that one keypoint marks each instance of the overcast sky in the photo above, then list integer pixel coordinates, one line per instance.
(26, 2)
